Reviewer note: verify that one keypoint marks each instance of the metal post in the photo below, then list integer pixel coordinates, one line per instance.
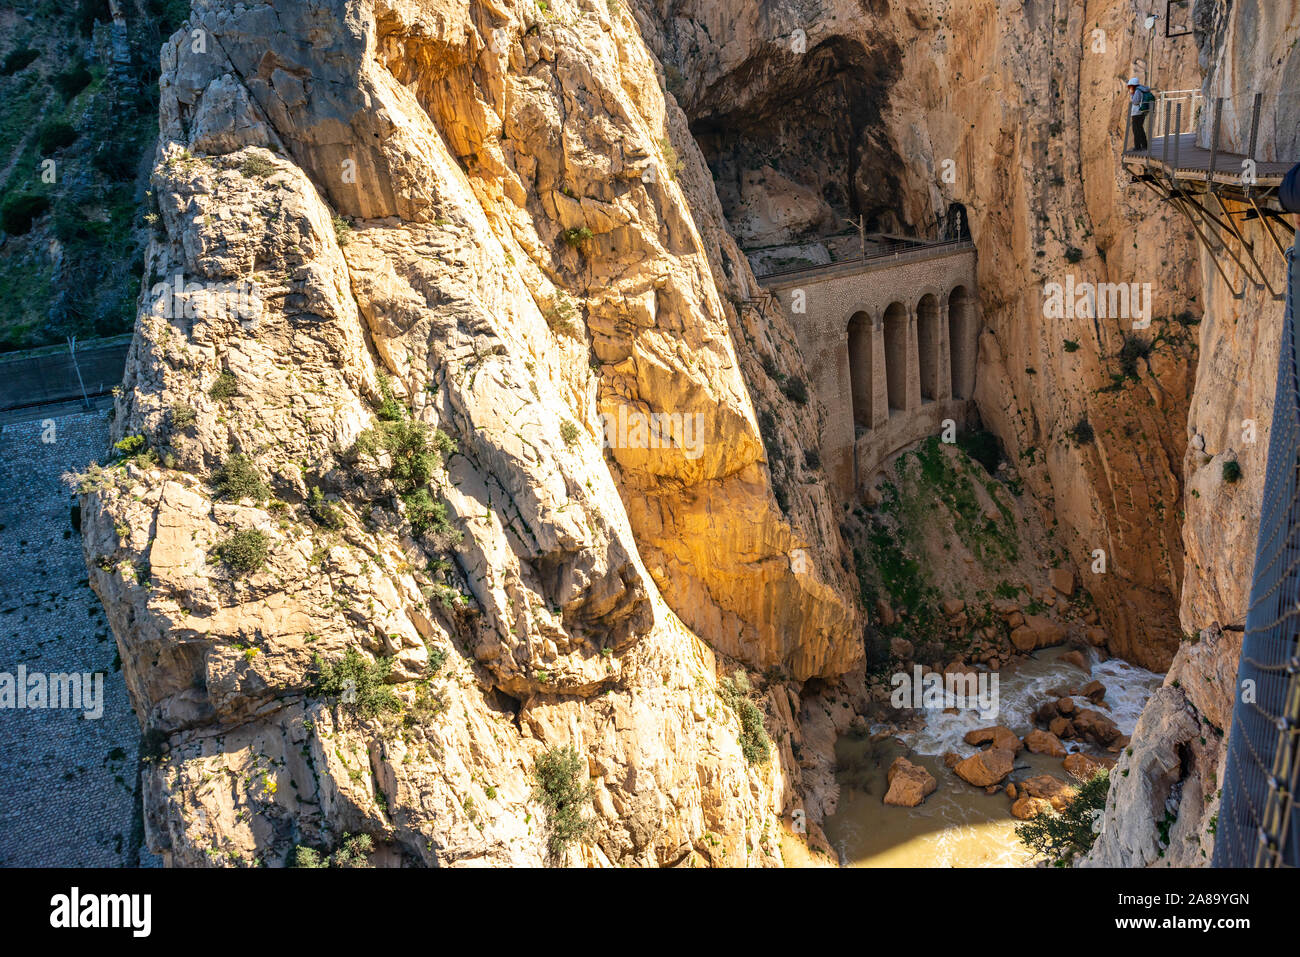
(1254, 127)
(1164, 140)
(1178, 122)
(1214, 138)
(72, 351)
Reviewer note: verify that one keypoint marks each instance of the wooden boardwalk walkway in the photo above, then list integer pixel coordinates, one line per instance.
(1184, 160)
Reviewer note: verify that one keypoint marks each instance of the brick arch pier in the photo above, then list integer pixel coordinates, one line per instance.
(890, 344)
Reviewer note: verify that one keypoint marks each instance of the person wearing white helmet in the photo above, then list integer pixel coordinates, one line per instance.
(1140, 99)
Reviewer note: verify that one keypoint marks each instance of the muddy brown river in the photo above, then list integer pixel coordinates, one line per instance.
(960, 825)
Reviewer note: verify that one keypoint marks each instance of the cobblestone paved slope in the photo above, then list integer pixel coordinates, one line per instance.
(67, 784)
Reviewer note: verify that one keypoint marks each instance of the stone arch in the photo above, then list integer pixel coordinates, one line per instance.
(863, 349)
(929, 346)
(896, 330)
(962, 338)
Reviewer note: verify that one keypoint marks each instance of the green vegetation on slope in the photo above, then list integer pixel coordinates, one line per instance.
(77, 132)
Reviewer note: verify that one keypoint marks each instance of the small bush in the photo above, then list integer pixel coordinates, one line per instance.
(363, 684)
(237, 477)
(1073, 254)
(21, 210)
(1071, 345)
(1134, 348)
(574, 238)
(390, 410)
(342, 230)
(562, 788)
(245, 551)
(670, 154)
(225, 386)
(1231, 471)
(570, 433)
(426, 515)
(322, 511)
(1082, 433)
(795, 390)
(414, 454)
(183, 416)
(256, 167)
(755, 745)
(130, 446)
(561, 316)
(56, 135)
(354, 852)
(17, 60)
(71, 81)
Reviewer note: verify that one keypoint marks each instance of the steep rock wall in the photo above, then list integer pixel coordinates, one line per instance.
(533, 242)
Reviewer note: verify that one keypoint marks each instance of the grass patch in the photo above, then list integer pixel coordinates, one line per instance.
(256, 167)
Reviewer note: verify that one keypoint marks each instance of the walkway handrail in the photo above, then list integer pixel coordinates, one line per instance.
(919, 249)
(1185, 105)
(1259, 819)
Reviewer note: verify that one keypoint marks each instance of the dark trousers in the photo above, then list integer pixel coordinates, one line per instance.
(1139, 132)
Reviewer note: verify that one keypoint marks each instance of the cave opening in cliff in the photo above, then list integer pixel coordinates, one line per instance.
(798, 149)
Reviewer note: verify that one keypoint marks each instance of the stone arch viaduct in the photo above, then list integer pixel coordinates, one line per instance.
(890, 344)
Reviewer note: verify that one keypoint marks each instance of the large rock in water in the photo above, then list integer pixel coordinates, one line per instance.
(1044, 742)
(999, 736)
(908, 783)
(1085, 765)
(1095, 725)
(987, 767)
(1038, 631)
(1049, 788)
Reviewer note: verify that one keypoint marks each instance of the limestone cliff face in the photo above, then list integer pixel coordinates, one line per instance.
(485, 213)
(1016, 111)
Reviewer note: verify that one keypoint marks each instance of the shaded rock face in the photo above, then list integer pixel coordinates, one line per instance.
(532, 242)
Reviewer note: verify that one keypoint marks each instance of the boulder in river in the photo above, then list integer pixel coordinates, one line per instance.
(1050, 788)
(1044, 742)
(1093, 690)
(1095, 725)
(1025, 807)
(909, 783)
(999, 736)
(986, 767)
(1085, 765)
(1075, 658)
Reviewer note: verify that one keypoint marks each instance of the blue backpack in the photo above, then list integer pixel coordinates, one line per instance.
(1289, 192)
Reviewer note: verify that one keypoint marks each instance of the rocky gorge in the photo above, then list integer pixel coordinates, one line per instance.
(375, 568)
